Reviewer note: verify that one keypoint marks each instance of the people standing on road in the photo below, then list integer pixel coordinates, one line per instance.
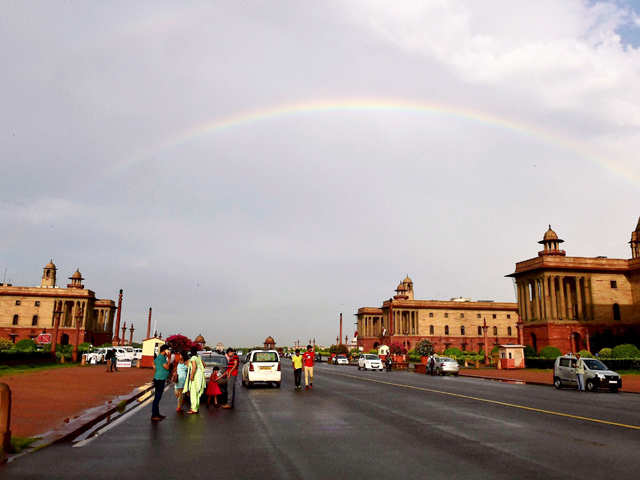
(160, 375)
(388, 362)
(296, 359)
(111, 360)
(231, 373)
(307, 360)
(213, 389)
(432, 365)
(194, 383)
(180, 376)
(580, 373)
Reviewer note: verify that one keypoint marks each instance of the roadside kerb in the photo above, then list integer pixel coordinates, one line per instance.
(84, 422)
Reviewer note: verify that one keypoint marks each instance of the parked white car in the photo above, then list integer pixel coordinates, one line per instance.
(446, 365)
(124, 353)
(137, 353)
(369, 361)
(341, 360)
(97, 356)
(262, 366)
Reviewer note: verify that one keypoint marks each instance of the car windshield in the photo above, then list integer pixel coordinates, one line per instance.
(593, 364)
(372, 357)
(342, 356)
(444, 359)
(213, 360)
(265, 357)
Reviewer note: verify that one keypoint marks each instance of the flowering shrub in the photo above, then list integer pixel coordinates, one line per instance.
(397, 349)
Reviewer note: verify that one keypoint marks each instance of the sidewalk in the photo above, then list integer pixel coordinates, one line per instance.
(43, 400)
(630, 383)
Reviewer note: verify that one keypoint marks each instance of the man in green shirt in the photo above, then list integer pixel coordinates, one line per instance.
(580, 373)
(160, 375)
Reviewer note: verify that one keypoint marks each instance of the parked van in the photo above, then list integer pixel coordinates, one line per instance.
(596, 374)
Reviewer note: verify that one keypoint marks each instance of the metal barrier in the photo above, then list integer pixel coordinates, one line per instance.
(5, 421)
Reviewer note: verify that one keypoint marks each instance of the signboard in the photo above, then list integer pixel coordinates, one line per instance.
(123, 364)
(43, 338)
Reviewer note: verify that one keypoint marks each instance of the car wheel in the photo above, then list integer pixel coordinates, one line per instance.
(590, 386)
(557, 383)
(455, 374)
(359, 367)
(277, 384)
(613, 389)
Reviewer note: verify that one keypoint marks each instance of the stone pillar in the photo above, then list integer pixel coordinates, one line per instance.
(546, 297)
(569, 300)
(527, 306)
(540, 294)
(562, 296)
(520, 300)
(588, 300)
(579, 298)
(536, 310)
(554, 303)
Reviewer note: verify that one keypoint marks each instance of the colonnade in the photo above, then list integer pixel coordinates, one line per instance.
(405, 322)
(555, 297)
(371, 326)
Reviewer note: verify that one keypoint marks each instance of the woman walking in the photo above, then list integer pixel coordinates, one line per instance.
(194, 383)
(180, 377)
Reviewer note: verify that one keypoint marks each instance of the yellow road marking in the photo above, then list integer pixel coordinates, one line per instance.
(496, 402)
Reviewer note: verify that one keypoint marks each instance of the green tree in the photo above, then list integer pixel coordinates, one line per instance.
(550, 352)
(339, 349)
(625, 350)
(453, 352)
(5, 344)
(605, 352)
(585, 354)
(424, 348)
(529, 352)
(25, 346)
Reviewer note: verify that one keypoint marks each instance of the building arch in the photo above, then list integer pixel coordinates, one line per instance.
(616, 312)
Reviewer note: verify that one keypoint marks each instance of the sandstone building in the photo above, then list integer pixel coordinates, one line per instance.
(455, 323)
(576, 303)
(26, 312)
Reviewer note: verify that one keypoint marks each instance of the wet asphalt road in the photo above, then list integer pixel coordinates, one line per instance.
(367, 425)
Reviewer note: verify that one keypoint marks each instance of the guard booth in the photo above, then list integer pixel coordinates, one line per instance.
(383, 351)
(150, 348)
(510, 356)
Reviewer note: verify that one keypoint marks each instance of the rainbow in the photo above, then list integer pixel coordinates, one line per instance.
(247, 118)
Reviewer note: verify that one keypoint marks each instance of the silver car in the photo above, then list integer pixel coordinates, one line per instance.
(596, 374)
(445, 365)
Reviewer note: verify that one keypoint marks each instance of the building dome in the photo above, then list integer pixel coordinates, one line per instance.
(76, 275)
(199, 339)
(401, 288)
(269, 341)
(407, 279)
(550, 234)
(50, 265)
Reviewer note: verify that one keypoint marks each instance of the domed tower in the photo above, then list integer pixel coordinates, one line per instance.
(551, 244)
(635, 242)
(408, 285)
(401, 292)
(76, 280)
(269, 343)
(49, 275)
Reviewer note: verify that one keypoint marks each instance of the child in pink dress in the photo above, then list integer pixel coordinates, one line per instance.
(213, 390)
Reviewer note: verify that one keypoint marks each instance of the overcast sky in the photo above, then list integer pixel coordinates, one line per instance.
(430, 138)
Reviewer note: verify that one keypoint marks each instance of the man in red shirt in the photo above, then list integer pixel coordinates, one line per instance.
(231, 373)
(307, 361)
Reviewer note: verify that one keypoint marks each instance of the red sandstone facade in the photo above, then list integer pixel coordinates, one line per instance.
(25, 312)
(457, 323)
(576, 303)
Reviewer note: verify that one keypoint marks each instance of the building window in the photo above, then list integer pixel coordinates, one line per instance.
(478, 315)
(446, 314)
(614, 284)
(509, 331)
(462, 315)
(479, 331)
(616, 311)
(495, 331)
(15, 319)
(18, 302)
(431, 330)
(430, 314)
(508, 315)
(34, 320)
(461, 329)
(446, 329)
(37, 304)
(493, 316)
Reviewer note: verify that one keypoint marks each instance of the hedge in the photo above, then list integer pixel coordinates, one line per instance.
(25, 358)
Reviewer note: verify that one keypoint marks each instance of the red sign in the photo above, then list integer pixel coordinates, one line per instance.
(44, 338)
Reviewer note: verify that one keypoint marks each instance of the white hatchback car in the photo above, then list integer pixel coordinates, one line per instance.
(342, 360)
(262, 366)
(369, 361)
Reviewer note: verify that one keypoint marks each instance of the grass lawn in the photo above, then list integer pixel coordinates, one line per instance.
(14, 369)
(18, 444)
